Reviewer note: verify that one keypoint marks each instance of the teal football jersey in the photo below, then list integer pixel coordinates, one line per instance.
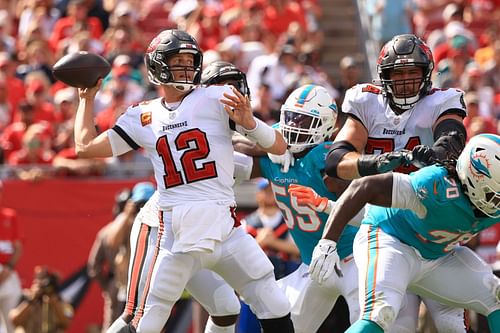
(306, 225)
(449, 219)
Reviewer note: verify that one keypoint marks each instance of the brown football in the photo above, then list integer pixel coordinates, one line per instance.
(81, 70)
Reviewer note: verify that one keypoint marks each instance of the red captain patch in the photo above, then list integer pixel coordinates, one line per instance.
(146, 118)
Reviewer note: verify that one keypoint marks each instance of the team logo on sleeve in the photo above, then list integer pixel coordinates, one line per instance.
(422, 193)
(146, 118)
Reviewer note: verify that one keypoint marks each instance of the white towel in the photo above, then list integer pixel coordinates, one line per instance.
(200, 227)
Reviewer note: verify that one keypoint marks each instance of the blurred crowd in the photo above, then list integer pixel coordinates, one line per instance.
(277, 42)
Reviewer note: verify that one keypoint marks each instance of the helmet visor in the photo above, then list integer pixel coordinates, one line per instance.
(299, 129)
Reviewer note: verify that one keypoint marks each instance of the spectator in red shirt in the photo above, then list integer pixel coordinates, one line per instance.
(76, 20)
(280, 13)
(476, 123)
(36, 58)
(65, 103)
(11, 139)
(37, 94)
(15, 87)
(10, 252)
(107, 118)
(208, 31)
(35, 148)
(6, 111)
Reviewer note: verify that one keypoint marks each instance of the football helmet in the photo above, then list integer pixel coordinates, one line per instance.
(405, 51)
(163, 46)
(225, 72)
(478, 168)
(307, 117)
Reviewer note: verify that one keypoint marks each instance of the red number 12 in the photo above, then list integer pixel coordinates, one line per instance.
(192, 173)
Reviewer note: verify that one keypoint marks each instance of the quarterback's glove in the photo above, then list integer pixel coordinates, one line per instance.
(374, 164)
(307, 196)
(286, 160)
(325, 260)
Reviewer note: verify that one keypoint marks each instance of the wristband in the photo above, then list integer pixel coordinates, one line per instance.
(367, 165)
(262, 134)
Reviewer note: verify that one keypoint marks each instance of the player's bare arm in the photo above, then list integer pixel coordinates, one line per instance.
(239, 110)
(354, 133)
(346, 161)
(87, 143)
(358, 194)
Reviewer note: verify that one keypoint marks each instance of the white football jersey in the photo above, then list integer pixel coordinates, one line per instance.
(388, 131)
(190, 147)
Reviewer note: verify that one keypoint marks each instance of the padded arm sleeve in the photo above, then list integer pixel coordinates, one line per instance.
(335, 155)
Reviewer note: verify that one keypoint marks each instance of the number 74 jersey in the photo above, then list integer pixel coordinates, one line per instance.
(190, 147)
(388, 131)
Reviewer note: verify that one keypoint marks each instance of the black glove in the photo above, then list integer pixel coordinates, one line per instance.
(447, 147)
(422, 156)
(374, 164)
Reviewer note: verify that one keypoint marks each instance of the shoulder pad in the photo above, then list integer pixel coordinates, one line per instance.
(361, 93)
(142, 105)
(445, 99)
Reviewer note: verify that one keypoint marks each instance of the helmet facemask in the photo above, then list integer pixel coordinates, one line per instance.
(403, 93)
(300, 130)
(405, 51)
(167, 44)
(307, 118)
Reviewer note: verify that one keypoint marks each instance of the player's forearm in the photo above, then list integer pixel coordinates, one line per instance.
(376, 190)
(266, 137)
(279, 146)
(85, 130)
(349, 204)
(347, 168)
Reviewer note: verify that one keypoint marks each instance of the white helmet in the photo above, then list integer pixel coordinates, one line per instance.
(308, 117)
(478, 168)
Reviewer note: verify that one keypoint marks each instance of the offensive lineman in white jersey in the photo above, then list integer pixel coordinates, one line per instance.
(208, 288)
(187, 135)
(403, 113)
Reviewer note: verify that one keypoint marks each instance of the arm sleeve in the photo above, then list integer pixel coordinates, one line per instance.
(404, 196)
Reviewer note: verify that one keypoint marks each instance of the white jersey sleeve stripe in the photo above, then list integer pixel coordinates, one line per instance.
(118, 145)
(126, 137)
